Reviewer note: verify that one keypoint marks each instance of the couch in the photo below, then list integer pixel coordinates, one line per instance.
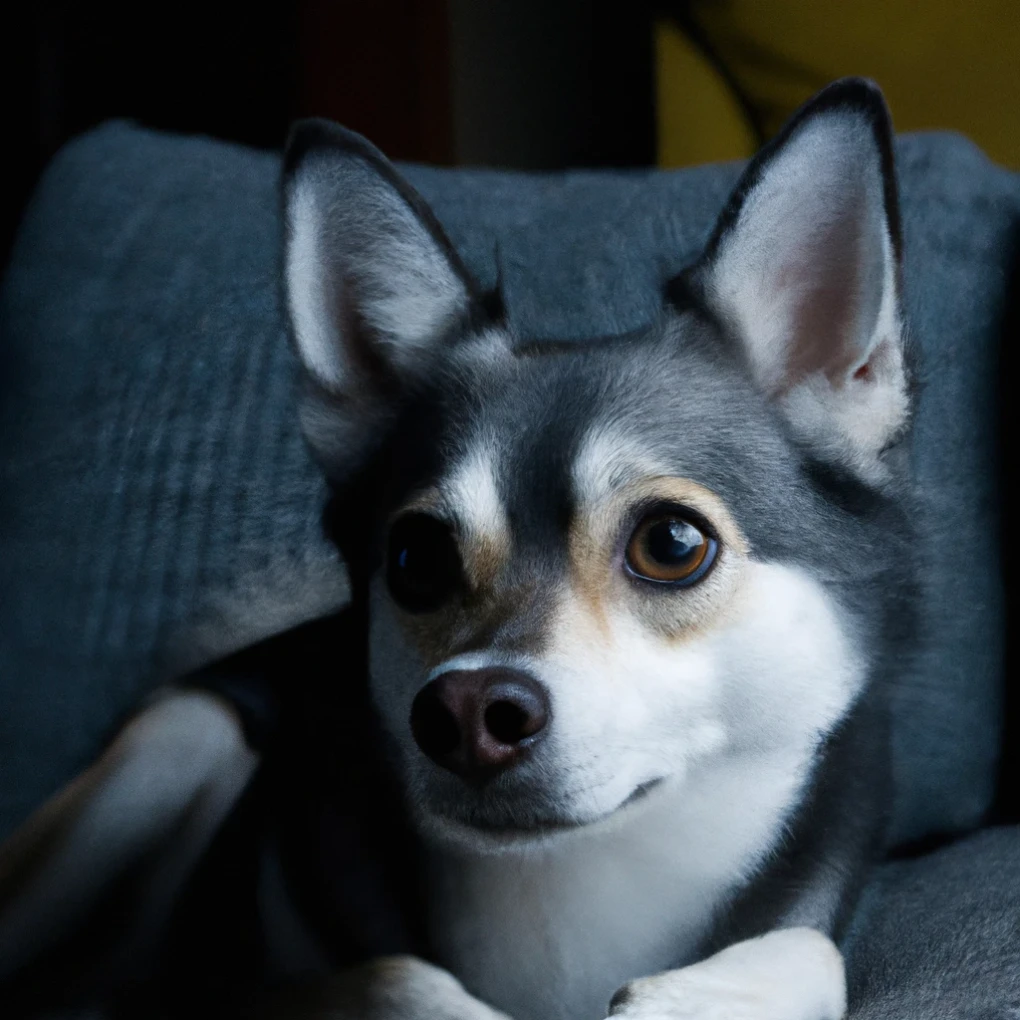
(151, 467)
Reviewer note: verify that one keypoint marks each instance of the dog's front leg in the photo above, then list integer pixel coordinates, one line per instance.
(776, 956)
(788, 974)
(387, 988)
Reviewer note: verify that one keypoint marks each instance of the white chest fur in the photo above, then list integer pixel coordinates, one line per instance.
(549, 932)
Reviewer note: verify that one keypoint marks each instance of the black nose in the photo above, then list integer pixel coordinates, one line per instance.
(477, 722)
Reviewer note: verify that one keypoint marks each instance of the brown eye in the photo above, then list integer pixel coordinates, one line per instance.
(670, 549)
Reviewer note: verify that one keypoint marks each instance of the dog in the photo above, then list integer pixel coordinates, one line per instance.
(604, 727)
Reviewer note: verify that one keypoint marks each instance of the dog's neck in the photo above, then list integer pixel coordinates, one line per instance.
(552, 929)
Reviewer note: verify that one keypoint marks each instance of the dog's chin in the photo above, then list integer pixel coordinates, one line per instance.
(497, 828)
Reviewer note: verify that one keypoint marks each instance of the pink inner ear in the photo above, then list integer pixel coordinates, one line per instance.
(825, 279)
(864, 372)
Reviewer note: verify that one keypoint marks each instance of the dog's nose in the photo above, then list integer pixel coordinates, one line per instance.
(477, 722)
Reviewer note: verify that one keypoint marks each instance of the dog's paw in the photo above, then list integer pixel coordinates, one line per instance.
(791, 974)
(387, 988)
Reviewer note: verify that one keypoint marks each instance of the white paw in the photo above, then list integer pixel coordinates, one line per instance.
(408, 987)
(387, 988)
(791, 974)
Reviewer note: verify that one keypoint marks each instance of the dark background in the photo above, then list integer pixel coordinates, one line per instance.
(571, 80)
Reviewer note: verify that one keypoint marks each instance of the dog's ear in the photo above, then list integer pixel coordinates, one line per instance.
(803, 268)
(373, 285)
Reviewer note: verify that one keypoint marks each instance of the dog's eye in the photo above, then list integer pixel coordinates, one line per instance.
(422, 564)
(670, 549)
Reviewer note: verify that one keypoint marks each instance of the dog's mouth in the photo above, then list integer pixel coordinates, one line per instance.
(504, 827)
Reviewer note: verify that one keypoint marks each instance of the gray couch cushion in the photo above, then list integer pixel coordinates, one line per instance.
(939, 937)
(149, 457)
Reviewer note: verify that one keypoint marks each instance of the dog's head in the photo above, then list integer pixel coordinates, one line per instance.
(594, 568)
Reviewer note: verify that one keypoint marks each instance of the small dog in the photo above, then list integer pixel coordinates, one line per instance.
(603, 729)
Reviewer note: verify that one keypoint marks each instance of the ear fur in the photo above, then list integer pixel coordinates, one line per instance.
(803, 269)
(374, 288)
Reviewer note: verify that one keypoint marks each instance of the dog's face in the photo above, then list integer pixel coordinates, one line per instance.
(594, 568)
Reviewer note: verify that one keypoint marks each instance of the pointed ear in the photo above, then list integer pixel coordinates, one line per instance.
(803, 268)
(373, 285)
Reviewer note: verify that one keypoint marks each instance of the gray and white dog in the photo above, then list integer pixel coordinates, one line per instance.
(627, 612)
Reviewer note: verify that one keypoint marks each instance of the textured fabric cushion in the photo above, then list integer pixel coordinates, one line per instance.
(150, 461)
(939, 937)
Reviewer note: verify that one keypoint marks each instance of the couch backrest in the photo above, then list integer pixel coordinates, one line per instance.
(150, 459)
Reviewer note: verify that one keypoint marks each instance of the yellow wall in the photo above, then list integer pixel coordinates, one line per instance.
(940, 64)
